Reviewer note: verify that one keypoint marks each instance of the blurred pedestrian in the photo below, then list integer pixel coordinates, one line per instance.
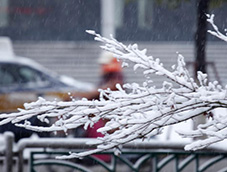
(110, 75)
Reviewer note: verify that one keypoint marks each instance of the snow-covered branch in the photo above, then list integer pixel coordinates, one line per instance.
(135, 111)
(214, 130)
(216, 31)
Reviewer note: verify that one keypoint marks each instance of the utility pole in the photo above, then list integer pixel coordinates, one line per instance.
(201, 35)
(200, 45)
(107, 18)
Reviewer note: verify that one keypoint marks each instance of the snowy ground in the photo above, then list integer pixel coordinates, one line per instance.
(169, 133)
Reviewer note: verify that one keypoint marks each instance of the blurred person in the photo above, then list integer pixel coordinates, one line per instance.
(110, 75)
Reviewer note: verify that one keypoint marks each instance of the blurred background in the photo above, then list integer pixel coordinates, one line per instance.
(52, 32)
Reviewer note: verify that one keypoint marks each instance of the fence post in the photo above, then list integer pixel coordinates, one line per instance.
(20, 161)
(9, 139)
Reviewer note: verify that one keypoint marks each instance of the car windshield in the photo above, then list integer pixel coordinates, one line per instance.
(15, 75)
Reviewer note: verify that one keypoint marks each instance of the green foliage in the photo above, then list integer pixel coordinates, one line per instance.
(128, 1)
(217, 3)
(171, 3)
(177, 3)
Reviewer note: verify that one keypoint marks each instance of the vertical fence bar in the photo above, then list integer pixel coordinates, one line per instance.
(114, 162)
(176, 163)
(31, 162)
(20, 161)
(9, 139)
(155, 163)
(197, 163)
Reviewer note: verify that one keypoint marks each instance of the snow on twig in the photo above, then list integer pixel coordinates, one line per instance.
(216, 31)
(141, 111)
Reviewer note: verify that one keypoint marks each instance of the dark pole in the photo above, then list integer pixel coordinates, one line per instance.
(200, 45)
(200, 36)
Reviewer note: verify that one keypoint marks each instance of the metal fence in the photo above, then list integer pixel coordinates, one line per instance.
(154, 156)
(140, 160)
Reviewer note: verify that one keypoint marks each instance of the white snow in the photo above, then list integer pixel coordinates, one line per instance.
(141, 111)
(6, 48)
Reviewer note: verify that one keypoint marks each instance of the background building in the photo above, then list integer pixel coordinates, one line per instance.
(53, 31)
(140, 20)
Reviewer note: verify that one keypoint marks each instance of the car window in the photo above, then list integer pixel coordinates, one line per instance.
(7, 77)
(22, 76)
(27, 75)
(31, 77)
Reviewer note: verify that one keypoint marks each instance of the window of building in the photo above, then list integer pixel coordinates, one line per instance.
(145, 13)
(49, 19)
(4, 18)
(136, 13)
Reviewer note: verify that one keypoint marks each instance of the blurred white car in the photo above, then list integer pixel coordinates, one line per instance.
(22, 80)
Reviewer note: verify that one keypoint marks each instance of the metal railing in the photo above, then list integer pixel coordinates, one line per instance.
(131, 160)
(80, 144)
(153, 155)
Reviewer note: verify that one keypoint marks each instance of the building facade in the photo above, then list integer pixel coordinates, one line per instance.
(52, 32)
(127, 20)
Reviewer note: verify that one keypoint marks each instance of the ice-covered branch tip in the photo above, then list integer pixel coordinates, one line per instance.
(135, 111)
(216, 32)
